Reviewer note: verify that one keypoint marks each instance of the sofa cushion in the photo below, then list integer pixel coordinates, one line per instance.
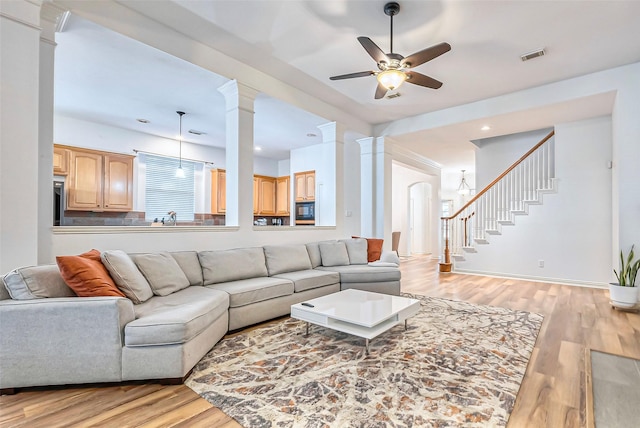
(162, 272)
(127, 276)
(374, 248)
(190, 265)
(334, 253)
(36, 282)
(364, 273)
(86, 275)
(286, 258)
(308, 279)
(247, 291)
(232, 265)
(176, 318)
(313, 249)
(390, 257)
(356, 250)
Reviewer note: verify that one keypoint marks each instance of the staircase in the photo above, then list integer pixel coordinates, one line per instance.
(498, 204)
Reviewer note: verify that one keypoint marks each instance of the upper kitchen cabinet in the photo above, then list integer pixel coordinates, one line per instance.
(282, 196)
(218, 191)
(99, 181)
(60, 160)
(266, 195)
(305, 186)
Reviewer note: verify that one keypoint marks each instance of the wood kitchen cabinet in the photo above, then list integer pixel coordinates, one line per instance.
(218, 191)
(99, 181)
(282, 196)
(264, 194)
(60, 160)
(305, 186)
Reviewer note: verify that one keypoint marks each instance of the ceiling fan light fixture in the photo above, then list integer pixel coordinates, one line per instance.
(391, 79)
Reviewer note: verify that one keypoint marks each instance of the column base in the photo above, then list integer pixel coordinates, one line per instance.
(445, 267)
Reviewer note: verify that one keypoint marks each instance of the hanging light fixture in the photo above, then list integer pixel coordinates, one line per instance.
(180, 171)
(464, 188)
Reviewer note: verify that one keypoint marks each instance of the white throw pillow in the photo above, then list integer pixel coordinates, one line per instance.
(334, 253)
(390, 257)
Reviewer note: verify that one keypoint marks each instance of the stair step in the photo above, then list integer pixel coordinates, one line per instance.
(469, 249)
(482, 241)
(532, 201)
(506, 222)
(519, 212)
(458, 257)
(493, 231)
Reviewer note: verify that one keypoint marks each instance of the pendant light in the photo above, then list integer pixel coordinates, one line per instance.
(464, 188)
(180, 171)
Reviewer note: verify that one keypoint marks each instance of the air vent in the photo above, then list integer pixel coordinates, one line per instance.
(193, 131)
(394, 95)
(533, 54)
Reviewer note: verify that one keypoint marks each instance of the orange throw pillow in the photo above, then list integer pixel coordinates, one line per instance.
(86, 275)
(374, 248)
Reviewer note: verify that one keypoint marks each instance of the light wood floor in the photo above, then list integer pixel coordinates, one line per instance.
(552, 393)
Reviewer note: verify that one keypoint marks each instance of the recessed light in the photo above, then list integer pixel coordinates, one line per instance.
(257, 148)
(485, 128)
(311, 134)
(193, 131)
(143, 120)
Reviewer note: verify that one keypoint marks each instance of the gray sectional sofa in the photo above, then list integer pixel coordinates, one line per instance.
(178, 305)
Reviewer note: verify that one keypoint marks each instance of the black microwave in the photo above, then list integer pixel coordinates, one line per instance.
(305, 210)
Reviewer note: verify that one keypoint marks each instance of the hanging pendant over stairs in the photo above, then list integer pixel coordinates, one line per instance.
(497, 205)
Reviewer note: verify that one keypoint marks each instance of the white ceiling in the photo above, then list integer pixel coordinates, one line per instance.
(305, 42)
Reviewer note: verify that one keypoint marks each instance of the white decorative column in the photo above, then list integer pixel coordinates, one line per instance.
(240, 101)
(330, 180)
(51, 19)
(19, 115)
(367, 191)
(376, 187)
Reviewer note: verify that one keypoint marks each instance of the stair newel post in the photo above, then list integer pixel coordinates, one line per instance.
(445, 266)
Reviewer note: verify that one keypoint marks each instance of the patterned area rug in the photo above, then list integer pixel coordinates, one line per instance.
(458, 364)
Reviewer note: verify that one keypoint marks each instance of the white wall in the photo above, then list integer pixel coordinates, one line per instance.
(571, 230)
(499, 153)
(403, 177)
(352, 189)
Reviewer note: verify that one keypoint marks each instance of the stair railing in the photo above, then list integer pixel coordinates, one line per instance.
(497, 204)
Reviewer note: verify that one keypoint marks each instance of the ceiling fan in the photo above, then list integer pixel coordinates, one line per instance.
(394, 69)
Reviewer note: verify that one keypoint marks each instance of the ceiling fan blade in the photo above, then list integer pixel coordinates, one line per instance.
(425, 55)
(381, 91)
(422, 80)
(352, 75)
(372, 49)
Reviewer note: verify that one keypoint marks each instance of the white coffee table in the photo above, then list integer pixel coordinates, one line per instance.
(361, 313)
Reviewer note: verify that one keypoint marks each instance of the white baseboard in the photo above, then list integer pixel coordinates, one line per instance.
(573, 282)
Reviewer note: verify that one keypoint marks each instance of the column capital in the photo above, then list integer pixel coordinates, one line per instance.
(238, 95)
(332, 132)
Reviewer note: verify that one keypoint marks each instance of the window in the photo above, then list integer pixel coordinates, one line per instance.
(165, 192)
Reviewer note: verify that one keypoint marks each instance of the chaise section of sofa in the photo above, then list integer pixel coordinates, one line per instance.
(348, 258)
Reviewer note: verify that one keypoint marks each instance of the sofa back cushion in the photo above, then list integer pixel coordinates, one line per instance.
(36, 282)
(127, 276)
(232, 265)
(286, 258)
(86, 275)
(356, 250)
(190, 265)
(162, 272)
(313, 248)
(334, 253)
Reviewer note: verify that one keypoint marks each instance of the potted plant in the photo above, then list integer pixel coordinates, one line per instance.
(624, 293)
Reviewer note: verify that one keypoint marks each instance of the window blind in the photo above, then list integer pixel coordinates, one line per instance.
(165, 192)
